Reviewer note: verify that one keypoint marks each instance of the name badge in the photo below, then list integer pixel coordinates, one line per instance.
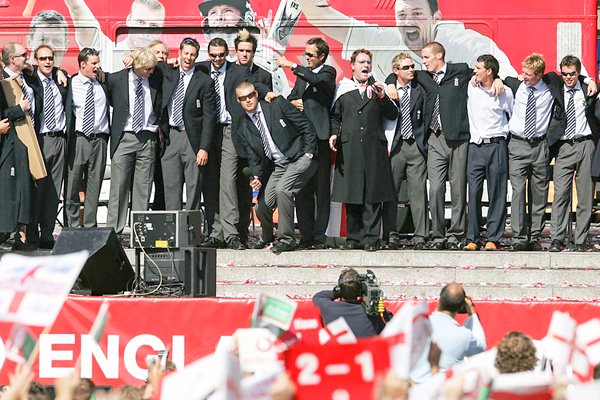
(198, 103)
(455, 81)
(314, 89)
(282, 123)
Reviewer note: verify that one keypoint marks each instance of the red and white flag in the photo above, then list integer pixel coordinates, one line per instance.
(20, 344)
(337, 331)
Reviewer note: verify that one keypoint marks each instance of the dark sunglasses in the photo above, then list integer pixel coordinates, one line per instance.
(310, 55)
(572, 73)
(407, 67)
(191, 41)
(249, 96)
(46, 58)
(217, 55)
(21, 55)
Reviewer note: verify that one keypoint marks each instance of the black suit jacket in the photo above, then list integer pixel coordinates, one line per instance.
(291, 131)
(417, 101)
(318, 98)
(261, 76)
(37, 85)
(199, 109)
(70, 113)
(118, 95)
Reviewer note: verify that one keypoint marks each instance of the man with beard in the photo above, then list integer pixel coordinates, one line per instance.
(363, 178)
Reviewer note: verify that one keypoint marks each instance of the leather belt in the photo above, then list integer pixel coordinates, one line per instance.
(178, 128)
(533, 140)
(54, 134)
(496, 139)
(92, 136)
(576, 140)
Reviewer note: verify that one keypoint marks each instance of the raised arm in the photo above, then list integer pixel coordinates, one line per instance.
(86, 24)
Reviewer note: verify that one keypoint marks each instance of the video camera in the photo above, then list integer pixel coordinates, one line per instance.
(371, 291)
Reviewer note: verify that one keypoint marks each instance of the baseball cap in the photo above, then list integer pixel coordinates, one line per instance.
(206, 5)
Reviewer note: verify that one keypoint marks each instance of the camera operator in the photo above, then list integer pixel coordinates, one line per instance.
(347, 300)
(455, 341)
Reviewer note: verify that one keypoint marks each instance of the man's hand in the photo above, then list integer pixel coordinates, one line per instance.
(28, 68)
(283, 62)
(174, 62)
(332, 142)
(298, 103)
(24, 103)
(128, 61)
(61, 78)
(67, 386)
(270, 96)
(255, 183)
(592, 88)
(101, 75)
(392, 91)
(19, 381)
(434, 357)
(498, 87)
(202, 158)
(283, 388)
(473, 81)
(379, 89)
(470, 306)
(4, 126)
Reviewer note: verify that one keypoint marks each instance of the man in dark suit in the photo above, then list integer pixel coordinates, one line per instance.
(276, 136)
(408, 156)
(572, 137)
(363, 177)
(245, 48)
(446, 119)
(313, 95)
(188, 124)
(50, 99)
(88, 128)
(134, 95)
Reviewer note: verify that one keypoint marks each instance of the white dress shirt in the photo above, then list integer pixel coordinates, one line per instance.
(543, 105)
(488, 114)
(27, 87)
(59, 110)
(186, 82)
(277, 154)
(79, 87)
(150, 123)
(224, 117)
(582, 128)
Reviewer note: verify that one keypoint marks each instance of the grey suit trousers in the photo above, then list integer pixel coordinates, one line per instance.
(573, 158)
(134, 158)
(528, 166)
(89, 160)
(411, 164)
(447, 162)
(47, 190)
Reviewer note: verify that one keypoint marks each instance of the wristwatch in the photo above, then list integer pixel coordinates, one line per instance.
(309, 155)
(294, 66)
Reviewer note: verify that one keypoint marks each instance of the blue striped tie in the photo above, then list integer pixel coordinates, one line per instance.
(215, 76)
(571, 124)
(406, 127)
(49, 106)
(263, 135)
(28, 98)
(530, 114)
(177, 109)
(138, 107)
(89, 110)
(435, 115)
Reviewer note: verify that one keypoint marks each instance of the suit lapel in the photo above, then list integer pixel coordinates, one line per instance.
(125, 86)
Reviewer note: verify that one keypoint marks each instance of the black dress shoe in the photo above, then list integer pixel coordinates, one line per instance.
(535, 246)
(372, 247)
(438, 246)
(580, 247)
(391, 245)
(419, 246)
(20, 246)
(46, 244)
(350, 246)
(452, 246)
(519, 246)
(212, 243)
(319, 245)
(256, 244)
(556, 246)
(281, 247)
(305, 245)
(236, 244)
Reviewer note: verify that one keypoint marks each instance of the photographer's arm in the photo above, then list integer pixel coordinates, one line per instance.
(478, 342)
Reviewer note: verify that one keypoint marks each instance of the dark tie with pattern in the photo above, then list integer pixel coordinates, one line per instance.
(89, 110)
(530, 114)
(263, 135)
(406, 128)
(49, 107)
(178, 101)
(435, 115)
(571, 125)
(215, 76)
(138, 106)
(27, 97)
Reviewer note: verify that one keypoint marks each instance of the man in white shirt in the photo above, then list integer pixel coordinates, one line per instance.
(487, 155)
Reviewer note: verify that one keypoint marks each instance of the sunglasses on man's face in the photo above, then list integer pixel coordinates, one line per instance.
(572, 73)
(217, 55)
(46, 58)
(249, 96)
(407, 67)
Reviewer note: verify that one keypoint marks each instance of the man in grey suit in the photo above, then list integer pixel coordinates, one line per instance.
(188, 125)
(572, 135)
(313, 94)
(87, 139)
(279, 139)
(408, 156)
(134, 94)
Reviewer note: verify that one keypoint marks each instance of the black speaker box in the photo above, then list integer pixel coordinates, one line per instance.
(107, 269)
(195, 267)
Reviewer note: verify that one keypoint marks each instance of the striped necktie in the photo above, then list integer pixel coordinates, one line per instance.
(89, 110)
(571, 124)
(24, 88)
(263, 135)
(178, 101)
(215, 76)
(406, 127)
(435, 115)
(138, 106)
(530, 114)
(49, 106)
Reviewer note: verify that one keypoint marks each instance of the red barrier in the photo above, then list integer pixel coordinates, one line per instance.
(191, 328)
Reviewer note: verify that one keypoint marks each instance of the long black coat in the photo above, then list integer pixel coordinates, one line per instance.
(15, 178)
(362, 168)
